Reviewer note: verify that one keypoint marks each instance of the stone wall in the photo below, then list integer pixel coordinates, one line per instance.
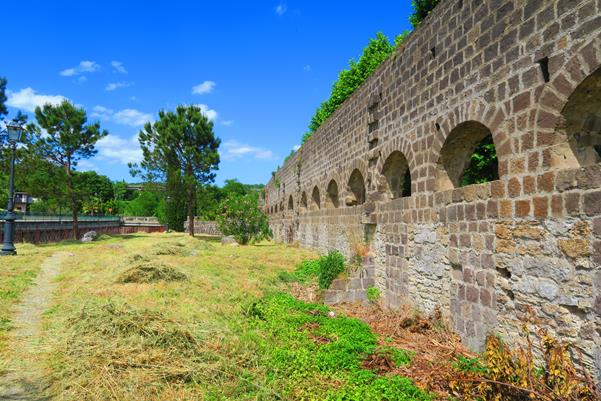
(204, 227)
(387, 168)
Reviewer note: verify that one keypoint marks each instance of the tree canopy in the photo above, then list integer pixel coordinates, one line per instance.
(181, 148)
(68, 138)
(421, 9)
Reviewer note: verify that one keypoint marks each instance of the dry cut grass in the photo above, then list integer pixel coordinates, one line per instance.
(157, 316)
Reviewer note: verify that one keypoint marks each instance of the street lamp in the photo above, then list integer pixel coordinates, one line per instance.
(14, 132)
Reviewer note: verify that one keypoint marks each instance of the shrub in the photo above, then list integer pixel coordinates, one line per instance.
(373, 294)
(330, 266)
(504, 374)
(241, 218)
(421, 9)
(377, 50)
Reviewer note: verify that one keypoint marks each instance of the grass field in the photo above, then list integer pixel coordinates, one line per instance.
(165, 316)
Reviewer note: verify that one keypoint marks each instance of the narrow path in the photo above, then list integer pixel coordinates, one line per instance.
(23, 380)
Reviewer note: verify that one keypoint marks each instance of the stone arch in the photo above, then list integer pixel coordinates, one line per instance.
(290, 203)
(332, 196)
(356, 189)
(491, 116)
(304, 204)
(315, 199)
(455, 155)
(580, 122)
(569, 113)
(397, 175)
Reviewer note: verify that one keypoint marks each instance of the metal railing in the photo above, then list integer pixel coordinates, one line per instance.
(34, 216)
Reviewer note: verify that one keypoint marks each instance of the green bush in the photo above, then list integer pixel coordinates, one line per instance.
(421, 9)
(373, 294)
(377, 50)
(241, 218)
(330, 266)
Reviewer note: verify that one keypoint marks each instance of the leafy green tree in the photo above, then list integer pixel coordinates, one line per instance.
(377, 50)
(44, 181)
(182, 149)
(241, 218)
(483, 165)
(145, 204)
(93, 186)
(67, 140)
(421, 9)
(208, 200)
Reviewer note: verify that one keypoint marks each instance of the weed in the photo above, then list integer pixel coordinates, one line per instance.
(330, 266)
(373, 294)
(306, 345)
(305, 271)
(502, 374)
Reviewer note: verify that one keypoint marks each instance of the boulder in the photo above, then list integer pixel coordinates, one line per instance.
(228, 240)
(89, 236)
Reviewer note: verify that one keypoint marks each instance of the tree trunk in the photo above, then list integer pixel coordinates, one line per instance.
(191, 205)
(73, 200)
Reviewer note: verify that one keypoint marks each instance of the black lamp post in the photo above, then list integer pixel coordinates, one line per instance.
(14, 132)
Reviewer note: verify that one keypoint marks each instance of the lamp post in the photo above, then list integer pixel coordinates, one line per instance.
(14, 132)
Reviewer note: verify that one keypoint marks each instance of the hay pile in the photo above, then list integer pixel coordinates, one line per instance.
(172, 249)
(147, 272)
(110, 343)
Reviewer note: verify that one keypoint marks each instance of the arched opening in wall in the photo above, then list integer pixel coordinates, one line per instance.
(315, 199)
(581, 122)
(290, 203)
(332, 200)
(397, 174)
(467, 157)
(356, 188)
(304, 204)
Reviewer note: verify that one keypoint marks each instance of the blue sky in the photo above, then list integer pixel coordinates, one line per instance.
(259, 68)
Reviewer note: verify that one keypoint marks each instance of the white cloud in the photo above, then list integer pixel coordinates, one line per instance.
(210, 113)
(296, 147)
(101, 112)
(115, 148)
(116, 85)
(131, 117)
(84, 66)
(118, 67)
(307, 68)
(227, 123)
(86, 165)
(231, 150)
(203, 88)
(27, 99)
(281, 9)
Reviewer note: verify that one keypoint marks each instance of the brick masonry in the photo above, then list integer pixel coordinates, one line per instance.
(528, 245)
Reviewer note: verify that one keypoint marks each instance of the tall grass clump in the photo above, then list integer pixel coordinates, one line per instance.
(330, 266)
